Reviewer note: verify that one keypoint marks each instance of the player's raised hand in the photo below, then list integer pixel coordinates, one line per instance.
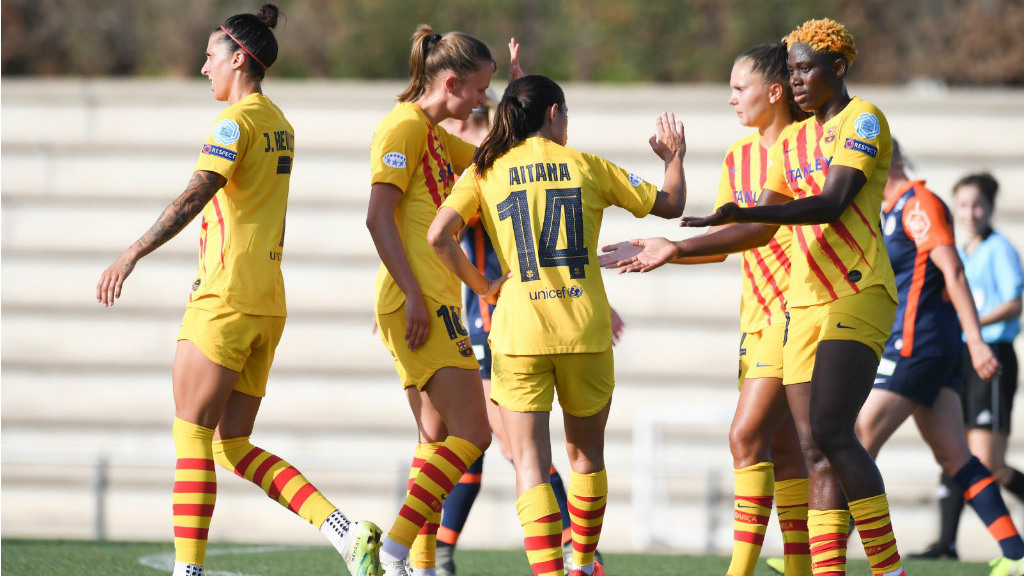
(417, 322)
(494, 289)
(109, 286)
(515, 71)
(618, 255)
(655, 253)
(726, 214)
(668, 139)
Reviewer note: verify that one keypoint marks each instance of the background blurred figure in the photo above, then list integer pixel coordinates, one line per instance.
(994, 274)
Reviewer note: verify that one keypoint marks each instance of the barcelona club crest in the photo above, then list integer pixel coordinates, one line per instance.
(465, 348)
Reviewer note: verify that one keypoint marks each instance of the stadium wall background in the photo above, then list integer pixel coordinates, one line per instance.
(946, 41)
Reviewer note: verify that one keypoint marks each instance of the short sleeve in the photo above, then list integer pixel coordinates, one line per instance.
(776, 172)
(725, 191)
(460, 152)
(862, 139)
(225, 145)
(465, 196)
(622, 188)
(1008, 275)
(396, 149)
(926, 222)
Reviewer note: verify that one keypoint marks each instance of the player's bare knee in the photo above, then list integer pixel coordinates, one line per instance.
(747, 445)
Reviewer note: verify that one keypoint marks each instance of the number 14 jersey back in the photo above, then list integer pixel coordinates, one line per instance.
(541, 204)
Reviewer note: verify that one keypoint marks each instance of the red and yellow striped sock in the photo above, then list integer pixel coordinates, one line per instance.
(587, 498)
(278, 479)
(423, 552)
(538, 514)
(791, 506)
(436, 479)
(195, 491)
(872, 518)
(755, 486)
(829, 531)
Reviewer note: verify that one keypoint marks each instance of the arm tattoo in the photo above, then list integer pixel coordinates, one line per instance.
(182, 210)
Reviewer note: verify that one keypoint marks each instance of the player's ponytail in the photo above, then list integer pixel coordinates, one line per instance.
(520, 113)
(252, 33)
(433, 53)
(770, 62)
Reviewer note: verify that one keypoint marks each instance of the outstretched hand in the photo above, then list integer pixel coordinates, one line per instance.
(668, 139)
(726, 214)
(109, 287)
(654, 253)
(515, 71)
(618, 255)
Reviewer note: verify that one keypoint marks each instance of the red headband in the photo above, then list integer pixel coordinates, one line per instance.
(243, 47)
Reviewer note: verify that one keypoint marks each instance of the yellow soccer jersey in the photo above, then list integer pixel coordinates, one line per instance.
(541, 204)
(423, 161)
(765, 269)
(241, 240)
(846, 256)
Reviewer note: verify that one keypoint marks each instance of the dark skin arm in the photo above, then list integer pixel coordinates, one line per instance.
(841, 187)
(707, 247)
(174, 219)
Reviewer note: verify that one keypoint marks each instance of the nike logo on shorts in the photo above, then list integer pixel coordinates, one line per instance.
(840, 325)
(759, 365)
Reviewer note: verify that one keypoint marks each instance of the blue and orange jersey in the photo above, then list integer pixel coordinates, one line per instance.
(477, 245)
(915, 222)
(765, 269)
(846, 256)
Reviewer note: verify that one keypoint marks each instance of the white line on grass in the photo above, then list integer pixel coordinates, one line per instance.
(165, 560)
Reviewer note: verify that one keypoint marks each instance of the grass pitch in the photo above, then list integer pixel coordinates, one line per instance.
(90, 558)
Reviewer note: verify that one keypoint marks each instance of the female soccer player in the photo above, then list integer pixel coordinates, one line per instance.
(994, 273)
(477, 246)
(552, 329)
(414, 163)
(236, 311)
(842, 295)
(766, 452)
(921, 370)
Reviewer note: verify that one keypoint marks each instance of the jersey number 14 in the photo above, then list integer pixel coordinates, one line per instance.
(568, 201)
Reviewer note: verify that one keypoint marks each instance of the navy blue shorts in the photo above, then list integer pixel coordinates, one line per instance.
(919, 378)
(483, 353)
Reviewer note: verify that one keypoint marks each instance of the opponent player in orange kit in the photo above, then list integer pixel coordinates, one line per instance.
(552, 328)
(841, 299)
(236, 310)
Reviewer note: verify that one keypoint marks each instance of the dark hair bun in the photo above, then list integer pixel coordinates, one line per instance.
(268, 14)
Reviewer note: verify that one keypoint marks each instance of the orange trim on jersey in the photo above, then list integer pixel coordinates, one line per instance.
(764, 165)
(780, 254)
(799, 232)
(745, 163)
(223, 232)
(447, 535)
(767, 273)
(889, 204)
(481, 265)
(977, 487)
(757, 292)
(801, 156)
(913, 299)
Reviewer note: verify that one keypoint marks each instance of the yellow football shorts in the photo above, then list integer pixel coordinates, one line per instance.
(761, 353)
(447, 344)
(240, 342)
(865, 317)
(527, 383)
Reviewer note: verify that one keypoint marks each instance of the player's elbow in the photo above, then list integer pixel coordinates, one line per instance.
(436, 237)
